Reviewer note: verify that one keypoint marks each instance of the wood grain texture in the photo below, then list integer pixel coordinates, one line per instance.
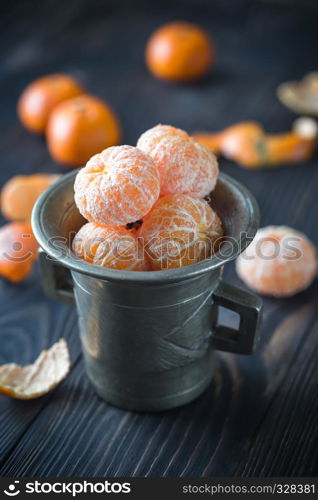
(259, 417)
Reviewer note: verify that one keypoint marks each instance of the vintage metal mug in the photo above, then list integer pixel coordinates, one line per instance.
(148, 338)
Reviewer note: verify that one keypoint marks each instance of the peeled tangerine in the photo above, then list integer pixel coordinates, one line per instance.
(18, 250)
(19, 194)
(280, 262)
(112, 247)
(179, 231)
(118, 186)
(33, 381)
(185, 165)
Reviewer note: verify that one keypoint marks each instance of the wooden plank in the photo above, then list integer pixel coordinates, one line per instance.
(78, 434)
(29, 323)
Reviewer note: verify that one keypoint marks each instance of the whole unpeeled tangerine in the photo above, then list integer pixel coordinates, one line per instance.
(79, 128)
(179, 51)
(185, 165)
(19, 194)
(111, 247)
(280, 262)
(38, 100)
(118, 186)
(180, 230)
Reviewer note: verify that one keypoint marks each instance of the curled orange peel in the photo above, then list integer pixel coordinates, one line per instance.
(37, 379)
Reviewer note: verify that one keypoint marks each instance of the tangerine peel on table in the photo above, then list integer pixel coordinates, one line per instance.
(37, 379)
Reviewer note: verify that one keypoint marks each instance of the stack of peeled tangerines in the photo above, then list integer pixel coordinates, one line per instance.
(161, 183)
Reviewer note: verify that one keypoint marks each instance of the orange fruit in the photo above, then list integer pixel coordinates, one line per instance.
(112, 247)
(18, 250)
(118, 186)
(280, 262)
(185, 166)
(180, 230)
(79, 128)
(19, 194)
(179, 51)
(41, 96)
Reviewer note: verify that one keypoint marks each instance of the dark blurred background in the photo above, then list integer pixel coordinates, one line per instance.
(258, 45)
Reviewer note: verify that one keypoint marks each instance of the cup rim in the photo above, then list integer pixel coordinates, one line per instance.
(74, 263)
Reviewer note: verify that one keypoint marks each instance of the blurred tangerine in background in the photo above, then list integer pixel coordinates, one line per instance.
(19, 194)
(41, 96)
(251, 147)
(79, 128)
(19, 249)
(180, 51)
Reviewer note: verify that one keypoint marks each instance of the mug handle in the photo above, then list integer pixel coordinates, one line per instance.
(249, 307)
(54, 279)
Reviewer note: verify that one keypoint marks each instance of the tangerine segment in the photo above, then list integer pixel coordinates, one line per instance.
(19, 194)
(18, 250)
(180, 230)
(80, 128)
(179, 51)
(41, 96)
(279, 262)
(117, 186)
(33, 381)
(185, 165)
(112, 247)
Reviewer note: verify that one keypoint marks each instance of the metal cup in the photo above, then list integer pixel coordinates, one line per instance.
(149, 338)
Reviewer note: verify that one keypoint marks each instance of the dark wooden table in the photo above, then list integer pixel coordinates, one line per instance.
(259, 417)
